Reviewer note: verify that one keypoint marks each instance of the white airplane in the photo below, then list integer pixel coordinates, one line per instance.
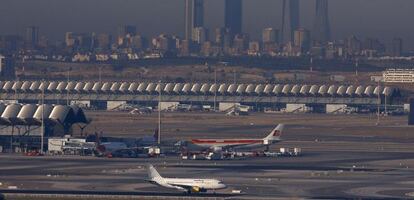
(225, 144)
(183, 184)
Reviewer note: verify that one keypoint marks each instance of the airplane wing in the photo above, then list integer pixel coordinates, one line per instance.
(181, 187)
(150, 181)
(188, 187)
(176, 186)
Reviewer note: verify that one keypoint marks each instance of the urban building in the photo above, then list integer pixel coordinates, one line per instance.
(32, 36)
(372, 47)
(353, 46)
(271, 48)
(290, 19)
(7, 71)
(321, 32)
(228, 38)
(86, 41)
(138, 42)
(164, 43)
(233, 16)
(206, 49)
(43, 42)
(200, 35)
(219, 36)
(254, 48)
(240, 43)
(194, 16)
(127, 30)
(185, 48)
(302, 40)
(398, 76)
(103, 41)
(270, 35)
(397, 47)
(82, 41)
(69, 39)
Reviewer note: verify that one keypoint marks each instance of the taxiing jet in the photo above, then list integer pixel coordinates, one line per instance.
(226, 144)
(183, 184)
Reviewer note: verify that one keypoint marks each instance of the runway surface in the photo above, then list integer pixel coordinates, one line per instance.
(114, 193)
(343, 157)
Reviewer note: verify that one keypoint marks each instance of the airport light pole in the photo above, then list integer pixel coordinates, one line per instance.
(356, 67)
(100, 74)
(311, 64)
(234, 76)
(11, 139)
(67, 91)
(385, 103)
(42, 129)
(215, 91)
(159, 114)
(385, 100)
(379, 103)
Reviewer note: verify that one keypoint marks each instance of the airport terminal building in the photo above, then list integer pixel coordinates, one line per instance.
(109, 95)
(21, 124)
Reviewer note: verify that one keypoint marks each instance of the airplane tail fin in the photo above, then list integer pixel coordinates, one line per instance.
(152, 173)
(276, 133)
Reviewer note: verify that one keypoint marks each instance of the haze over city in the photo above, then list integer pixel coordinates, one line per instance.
(383, 19)
(206, 99)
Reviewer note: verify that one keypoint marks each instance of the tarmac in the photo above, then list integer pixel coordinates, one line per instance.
(344, 157)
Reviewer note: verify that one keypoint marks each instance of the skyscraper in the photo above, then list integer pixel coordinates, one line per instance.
(233, 16)
(32, 35)
(290, 19)
(194, 16)
(321, 32)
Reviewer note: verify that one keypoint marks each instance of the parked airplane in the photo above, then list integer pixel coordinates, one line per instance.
(183, 184)
(107, 148)
(110, 148)
(226, 144)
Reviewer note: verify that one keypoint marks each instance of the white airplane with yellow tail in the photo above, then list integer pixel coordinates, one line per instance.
(187, 185)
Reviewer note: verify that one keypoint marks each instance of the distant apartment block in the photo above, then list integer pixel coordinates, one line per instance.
(7, 71)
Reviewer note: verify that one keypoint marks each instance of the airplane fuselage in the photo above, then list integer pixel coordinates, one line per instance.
(232, 143)
(207, 184)
(190, 185)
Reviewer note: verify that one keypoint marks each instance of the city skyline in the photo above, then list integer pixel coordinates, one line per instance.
(171, 16)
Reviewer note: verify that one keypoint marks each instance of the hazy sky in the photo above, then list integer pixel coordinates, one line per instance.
(383, 19)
